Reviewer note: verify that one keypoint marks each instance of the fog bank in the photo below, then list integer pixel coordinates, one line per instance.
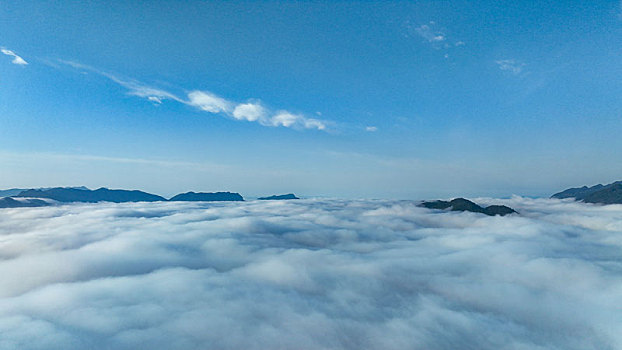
(311, 274)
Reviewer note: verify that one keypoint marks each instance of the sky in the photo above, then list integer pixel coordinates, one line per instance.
(405, 100)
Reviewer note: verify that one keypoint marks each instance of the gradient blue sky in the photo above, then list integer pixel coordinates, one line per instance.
(386, 100)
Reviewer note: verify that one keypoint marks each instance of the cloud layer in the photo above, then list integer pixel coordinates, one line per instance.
(252, 111)
(16, 59)
(310, 274)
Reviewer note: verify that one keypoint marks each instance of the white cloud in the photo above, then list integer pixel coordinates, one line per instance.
(429, 34)
(16, 59)
(155, 99)
(284, 118)
(323, 273)
(151, 94)
(310, 123)
(436, 37)
(371, 128)
(510, 65)
(211, 103)
(290, 120)
(249, 111)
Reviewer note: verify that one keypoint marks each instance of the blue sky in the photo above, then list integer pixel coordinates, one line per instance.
(384, 100)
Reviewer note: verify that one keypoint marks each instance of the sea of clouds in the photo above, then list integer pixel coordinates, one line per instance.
(311, 274)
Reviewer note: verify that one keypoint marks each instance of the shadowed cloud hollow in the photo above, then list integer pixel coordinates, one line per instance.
(310, 274)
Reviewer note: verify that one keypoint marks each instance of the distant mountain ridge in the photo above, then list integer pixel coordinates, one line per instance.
(15, 191)
(12, 192)
(64, 194)
(207, 197)
(8, 202)
(74, 194)
(279, 197)
(600, 194)
(47, 196)
(461, 204)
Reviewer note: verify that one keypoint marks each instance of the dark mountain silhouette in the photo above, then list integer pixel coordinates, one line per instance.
(279, 197)
(207, 197)
(607, 194)
(502, 210)
(461, 204)
(64, 194)
(12, 192)
(8, 202)
(578, 193)
(610, 194)
(15, 191)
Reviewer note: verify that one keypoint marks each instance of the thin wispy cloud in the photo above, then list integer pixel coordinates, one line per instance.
(510, 65)
(209, 102)
(429, 34)
(16, 59)
(371, 128)
(287, 119)
(134, 87)
(19, 158)
(433, 36)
